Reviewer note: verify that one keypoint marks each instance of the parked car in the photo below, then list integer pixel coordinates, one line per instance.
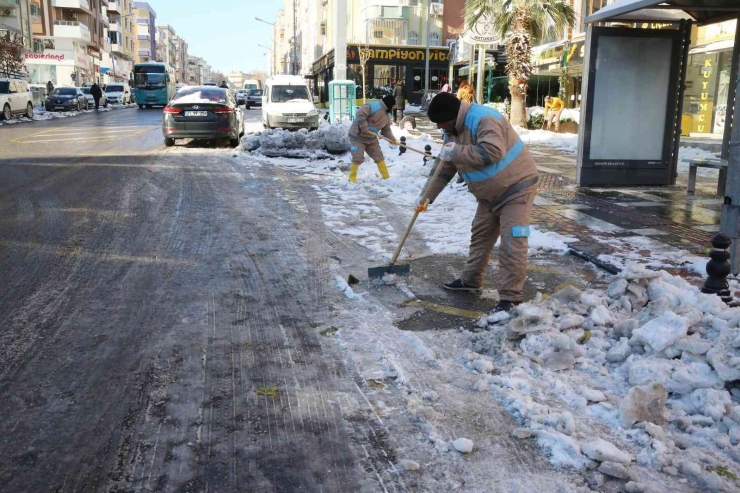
(241, 96)
(202, 112)
(210, 84)
(91, 100)
(15, 99)
(287, 103)
(118, 93)
(254, 98)
(66, 99)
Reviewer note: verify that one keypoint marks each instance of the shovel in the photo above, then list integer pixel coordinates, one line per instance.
(403, 269)
(403, 145)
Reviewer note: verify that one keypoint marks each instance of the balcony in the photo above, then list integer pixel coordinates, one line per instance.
(77, 5)
(105, 19)
(145, 53)
(114, 27)
(114, 7)
(8, 3)
(143, 37)
(106, 45)
(387, 12)
(72, 30)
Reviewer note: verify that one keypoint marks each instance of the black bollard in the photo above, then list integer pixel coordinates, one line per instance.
(718, 268)
(427, 153)
(402, 147)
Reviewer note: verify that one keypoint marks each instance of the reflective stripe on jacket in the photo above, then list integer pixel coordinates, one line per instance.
(371, 117)
(489, 154)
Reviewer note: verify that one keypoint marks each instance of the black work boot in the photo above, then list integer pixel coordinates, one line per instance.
(504, 306)
(458, 285)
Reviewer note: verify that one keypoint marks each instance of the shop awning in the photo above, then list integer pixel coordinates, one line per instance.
(702, 11)
(712, 47)
(549, 46)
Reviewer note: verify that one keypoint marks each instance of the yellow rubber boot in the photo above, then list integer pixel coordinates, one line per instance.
(353, 172)
(383, 170)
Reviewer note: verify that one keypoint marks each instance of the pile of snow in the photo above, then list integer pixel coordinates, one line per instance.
(568, 114)
(635, 380)
(412, 109)
(561, 141)
(40, 114)
(302, 143)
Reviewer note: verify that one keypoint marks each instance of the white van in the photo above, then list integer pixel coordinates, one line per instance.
(118, 93)
(251, 84)
(287, 103)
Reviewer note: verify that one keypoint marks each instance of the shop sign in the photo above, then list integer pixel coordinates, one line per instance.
(398, 54)
(482, 33)
(93, 52)
(58, 57)
(703, 119)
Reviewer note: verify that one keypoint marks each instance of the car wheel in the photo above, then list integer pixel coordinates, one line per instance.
(7, 115)
(248, 107)
(169, 142)
(234, 142)
(29, 111)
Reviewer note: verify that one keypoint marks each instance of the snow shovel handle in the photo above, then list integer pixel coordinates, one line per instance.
(416, 213)
(404, 145)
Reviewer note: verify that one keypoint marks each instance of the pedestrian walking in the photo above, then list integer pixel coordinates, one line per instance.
(484, 148)
(466, 93)
(399, 94)
(224, 85)
(553, 109)
(370, 119)
(49, 88)
(96, 93)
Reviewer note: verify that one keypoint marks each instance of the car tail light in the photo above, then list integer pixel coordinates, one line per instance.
(170, 109)
(222, 110)
(225, 129)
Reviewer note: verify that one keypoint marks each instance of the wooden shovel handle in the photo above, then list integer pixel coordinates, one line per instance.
(404, 145)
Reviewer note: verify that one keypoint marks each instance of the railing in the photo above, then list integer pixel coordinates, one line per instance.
(71, 23)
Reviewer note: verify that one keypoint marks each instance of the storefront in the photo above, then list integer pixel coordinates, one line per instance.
(554, 64)
(62, 67)
(386, 65)
(707, 80)
(495, 81)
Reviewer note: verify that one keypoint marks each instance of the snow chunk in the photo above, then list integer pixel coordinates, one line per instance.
(463, 445)
(663, 331)
(592, 395)
(601, 450)
(562, 450)
(601, 316)
(709, 402)
(619, 352)
(644, 404)
(723, 352)
(409, 465)
(482, 366)
(570, 321)
(614, 469)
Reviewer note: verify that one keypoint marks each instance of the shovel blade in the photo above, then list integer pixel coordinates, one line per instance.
(398, 269)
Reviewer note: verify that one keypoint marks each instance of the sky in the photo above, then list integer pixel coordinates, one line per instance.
(223, 32)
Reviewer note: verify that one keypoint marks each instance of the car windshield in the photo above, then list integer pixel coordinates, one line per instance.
(255, 92)
(196, 95)
(148, 80)
(114, 88)
(283, 94)
(64, 92)
(85, 90)
(4, 86)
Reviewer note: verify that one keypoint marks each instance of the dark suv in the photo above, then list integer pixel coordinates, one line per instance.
(254, 98)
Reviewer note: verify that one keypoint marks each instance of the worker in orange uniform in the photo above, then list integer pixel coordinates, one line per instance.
(553, 109)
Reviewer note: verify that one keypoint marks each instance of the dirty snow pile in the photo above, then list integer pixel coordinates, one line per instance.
(321, 143)
(40, 114)
(638, 382)
(561, 141)
(568, 114)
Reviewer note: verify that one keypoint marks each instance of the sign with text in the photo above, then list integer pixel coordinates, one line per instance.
(482, 33)
(399, 54)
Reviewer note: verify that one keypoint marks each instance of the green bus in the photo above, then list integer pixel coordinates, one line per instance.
(154, 84)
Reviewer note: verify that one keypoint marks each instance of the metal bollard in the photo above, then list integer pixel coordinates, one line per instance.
(718, 268)
(402, 147)
(427, 153)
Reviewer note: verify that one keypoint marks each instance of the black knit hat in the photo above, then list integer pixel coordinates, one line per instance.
(443, 108)
(389, 102)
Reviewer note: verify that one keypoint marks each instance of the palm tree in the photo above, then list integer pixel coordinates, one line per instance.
(517, 21)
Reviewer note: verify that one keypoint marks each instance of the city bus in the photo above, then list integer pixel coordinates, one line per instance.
(154, 84)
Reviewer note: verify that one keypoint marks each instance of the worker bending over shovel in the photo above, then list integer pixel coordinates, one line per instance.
(484, 148)
(371, 118)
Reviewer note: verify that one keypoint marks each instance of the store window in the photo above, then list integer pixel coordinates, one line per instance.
(437, 78)
(707, 87)
(384, 78)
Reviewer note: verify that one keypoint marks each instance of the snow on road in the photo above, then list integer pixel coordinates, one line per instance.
(42, 115)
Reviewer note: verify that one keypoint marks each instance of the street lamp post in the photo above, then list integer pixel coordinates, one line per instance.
(272, 55)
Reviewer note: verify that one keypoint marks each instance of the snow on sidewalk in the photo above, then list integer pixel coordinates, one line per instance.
(642, 375)
(43, 115)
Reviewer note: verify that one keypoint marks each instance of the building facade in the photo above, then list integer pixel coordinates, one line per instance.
(145, 41)
(167, 46)
(69, 41)
(15, 22)
(118, 64)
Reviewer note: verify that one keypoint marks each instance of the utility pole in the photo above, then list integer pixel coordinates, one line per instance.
(295, 38)
(426, 68)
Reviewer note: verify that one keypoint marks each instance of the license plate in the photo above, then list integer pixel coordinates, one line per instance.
(295, 120)
(59, 107)
(196, 113)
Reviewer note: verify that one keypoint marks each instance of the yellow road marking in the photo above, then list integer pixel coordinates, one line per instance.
(446, 309)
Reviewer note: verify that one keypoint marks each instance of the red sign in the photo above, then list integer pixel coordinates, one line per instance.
(44, 56)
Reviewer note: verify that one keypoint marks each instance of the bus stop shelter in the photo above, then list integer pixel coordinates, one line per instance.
(632, 97)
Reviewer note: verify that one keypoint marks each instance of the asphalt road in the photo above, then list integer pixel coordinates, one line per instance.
(160, 314)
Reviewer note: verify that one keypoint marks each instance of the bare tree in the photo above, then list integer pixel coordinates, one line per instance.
(365, 53)
(260, 76)
(11, 54)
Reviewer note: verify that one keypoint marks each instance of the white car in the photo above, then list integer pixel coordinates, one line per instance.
(91, 100)
(15, 99)
(287, 103)
(118, 93)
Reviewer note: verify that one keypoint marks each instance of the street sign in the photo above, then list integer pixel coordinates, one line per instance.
(482, 33)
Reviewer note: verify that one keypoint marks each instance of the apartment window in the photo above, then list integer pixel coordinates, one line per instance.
(377, 34)
(413, 38)
(413, 3)
(433, 39)
(323, 28)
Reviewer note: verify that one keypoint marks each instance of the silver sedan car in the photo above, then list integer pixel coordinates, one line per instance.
(91, 100)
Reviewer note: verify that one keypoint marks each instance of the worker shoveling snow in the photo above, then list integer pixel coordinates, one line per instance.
(638, 379)
(323, 143)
